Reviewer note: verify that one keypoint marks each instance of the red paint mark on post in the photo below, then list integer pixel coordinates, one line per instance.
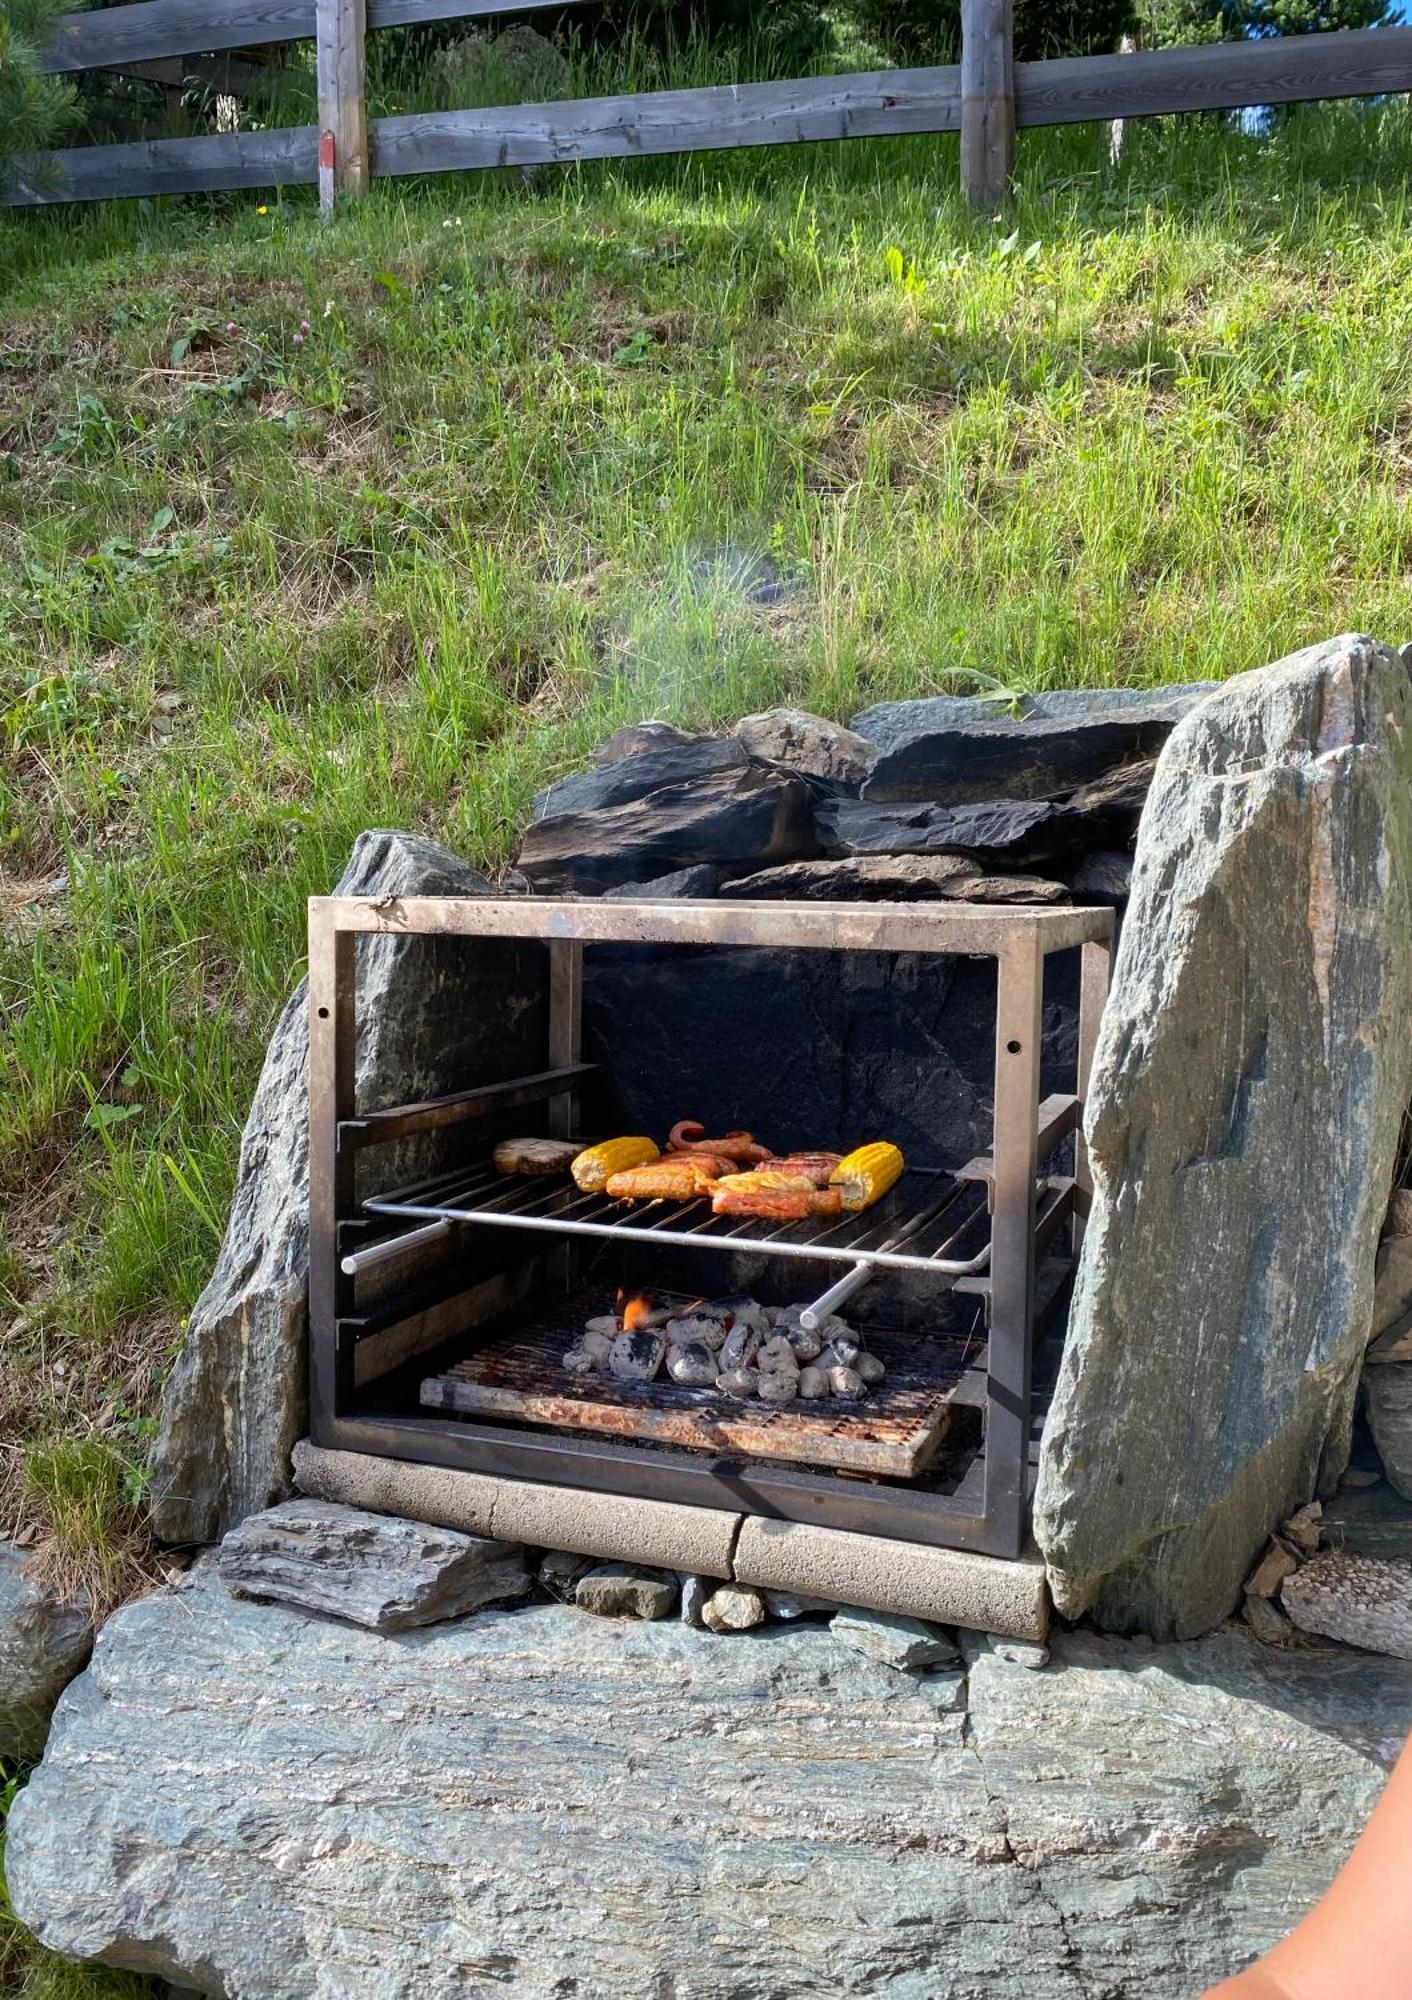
(326, 151)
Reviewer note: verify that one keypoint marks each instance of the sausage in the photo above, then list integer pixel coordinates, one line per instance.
(689, 1137)
(777, 1204)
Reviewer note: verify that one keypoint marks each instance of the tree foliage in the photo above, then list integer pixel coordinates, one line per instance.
(35, 109)
(1161, 22)
(929, 31)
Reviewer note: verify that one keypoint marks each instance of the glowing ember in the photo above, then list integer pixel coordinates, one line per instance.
(636, 1312)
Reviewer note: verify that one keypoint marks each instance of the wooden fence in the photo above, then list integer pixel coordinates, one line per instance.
(985, 98)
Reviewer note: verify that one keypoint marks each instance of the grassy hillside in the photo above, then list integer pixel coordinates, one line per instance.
(309, 528)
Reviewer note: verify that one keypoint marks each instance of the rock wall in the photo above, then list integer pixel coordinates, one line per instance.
(236, 1400)
(544, 1802)
(45, 1638)
(1250, 1079)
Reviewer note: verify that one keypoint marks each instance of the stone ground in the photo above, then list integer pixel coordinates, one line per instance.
(259, 1802)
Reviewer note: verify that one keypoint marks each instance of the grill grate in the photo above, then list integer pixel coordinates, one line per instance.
(936, 1213)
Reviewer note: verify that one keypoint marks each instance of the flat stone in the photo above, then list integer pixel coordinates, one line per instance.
(904, 1643)
(1110, 807)
(733, 818)
(947, 1689)
(1393, 1344)
(430, 1014)
(308, 1809)
(1359, 1599)
(372, 1569)
(900, 878)
(1270, 925)
(637, 739)
(995, 833)
(958, 749)
(1020, 1653)
(1387, 1398)
(1305, 1527)
(615, 1591)
(1104, 877)
(45, 1638)
(733, 1609)
(682, 885)
(808, 744)
(634, 777)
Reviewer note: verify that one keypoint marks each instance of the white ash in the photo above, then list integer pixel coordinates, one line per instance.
(637, 1354)
(736, 1345)
(698, 1328)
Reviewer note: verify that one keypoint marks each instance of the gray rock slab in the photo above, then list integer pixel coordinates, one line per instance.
(372, 1569)
(308, 1809)
(430, 1014)
(1387, 1398)
(633, 777)
(896, 878)
(1252, 1071)
(694, 1592)
(995, 833)
(809, 744)
(45, 1637)
(1361, 1600)
(1392, 1290)
(735, 819)
(957, 749)
(905, 1643)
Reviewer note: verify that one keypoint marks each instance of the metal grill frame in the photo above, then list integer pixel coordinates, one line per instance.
(989, 1512)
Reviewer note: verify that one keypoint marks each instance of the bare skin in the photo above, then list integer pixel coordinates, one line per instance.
(1356, 1943)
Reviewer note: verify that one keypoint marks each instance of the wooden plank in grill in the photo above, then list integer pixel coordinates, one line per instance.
(893, 1432)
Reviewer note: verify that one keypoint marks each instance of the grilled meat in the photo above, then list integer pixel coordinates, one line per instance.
(690, 1137)
(777, 1204)
(680, 1178)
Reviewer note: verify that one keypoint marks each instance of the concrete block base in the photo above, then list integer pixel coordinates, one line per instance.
(948, 1586)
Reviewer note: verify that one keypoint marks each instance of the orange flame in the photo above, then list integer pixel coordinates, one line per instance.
(636, 1312)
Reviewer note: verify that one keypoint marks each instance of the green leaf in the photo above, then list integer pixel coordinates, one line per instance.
(102, 1117)
(160, 522)
(390, 282)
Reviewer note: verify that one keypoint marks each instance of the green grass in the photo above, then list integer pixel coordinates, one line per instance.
(260, 591)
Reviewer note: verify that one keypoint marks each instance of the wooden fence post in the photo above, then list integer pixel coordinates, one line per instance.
(987, 100)
(340, 33)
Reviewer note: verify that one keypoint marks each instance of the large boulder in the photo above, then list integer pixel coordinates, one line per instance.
(429, 1014)
(1251, 1074)
(1387, 1393)
(45, 1637)
(541, 1802)
(954, 749)
(646, 770)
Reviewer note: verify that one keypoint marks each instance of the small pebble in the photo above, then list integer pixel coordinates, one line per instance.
(733, 1609)
(870, 1368)
(615, 1591)
(694, 1592)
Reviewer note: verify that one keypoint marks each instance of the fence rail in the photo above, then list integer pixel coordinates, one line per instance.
(1221, 76)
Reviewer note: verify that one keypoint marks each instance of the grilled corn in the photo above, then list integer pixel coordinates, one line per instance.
(865, 1175)
(594, 1164)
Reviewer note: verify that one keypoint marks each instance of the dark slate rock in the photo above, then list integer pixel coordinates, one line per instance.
(734, 818)
(684, 884)
(957, 750)
(995, 832)
(896, 878)
(1107, 811)
(634, 777)
(1104, 877)
(635, 738)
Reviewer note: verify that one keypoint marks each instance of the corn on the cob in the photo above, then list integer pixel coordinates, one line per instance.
(613, 1156)
(865, 1175)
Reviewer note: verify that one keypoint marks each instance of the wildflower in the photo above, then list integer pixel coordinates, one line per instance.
(298, 340)
(303, 326)
(263, 209)
(231, 327)
(328, 308)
